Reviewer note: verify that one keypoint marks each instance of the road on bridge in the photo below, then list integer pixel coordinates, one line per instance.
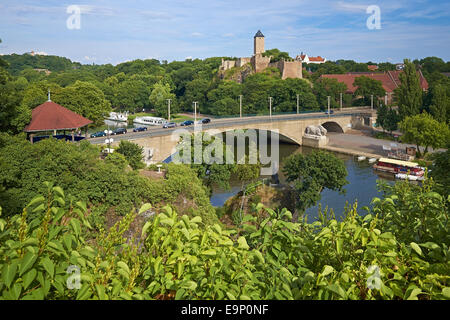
(217, 123)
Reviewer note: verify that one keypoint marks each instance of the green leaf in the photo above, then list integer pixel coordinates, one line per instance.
(28, 278)
(209, 252)
(259, 255)
(196, 219)
(75, 223)
(446, 292)
(145, 228)
(36, 200)
(123, 266)
(338, 290)
(414, 293)
(9, 273)
(327, 270)
(243, 243)
(49, 266)
(416, 248)
(26, 262)
(339, 243)
(231, 296)
(145, 207)
(59, 191)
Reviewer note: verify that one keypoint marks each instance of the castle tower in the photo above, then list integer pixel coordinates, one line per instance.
(258, 43)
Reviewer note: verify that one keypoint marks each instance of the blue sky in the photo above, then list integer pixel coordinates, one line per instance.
(117, 31)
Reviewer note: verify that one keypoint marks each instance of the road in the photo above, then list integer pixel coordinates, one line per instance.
(159, 131)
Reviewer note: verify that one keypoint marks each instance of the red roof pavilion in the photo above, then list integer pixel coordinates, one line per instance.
(51, 116)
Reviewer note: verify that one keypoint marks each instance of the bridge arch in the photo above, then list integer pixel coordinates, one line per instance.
(332, 126)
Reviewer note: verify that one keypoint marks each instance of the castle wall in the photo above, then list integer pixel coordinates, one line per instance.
(242, 61)
(227, 64)
(289, 69)
(259, 62)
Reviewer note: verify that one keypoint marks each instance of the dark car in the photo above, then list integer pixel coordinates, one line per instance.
(187, 123)
(140, 129)
(204, 121)
(119, 131)
(170, 125)
(331, 112)
(98, 134)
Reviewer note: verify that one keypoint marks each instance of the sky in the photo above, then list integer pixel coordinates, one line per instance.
(117, 31)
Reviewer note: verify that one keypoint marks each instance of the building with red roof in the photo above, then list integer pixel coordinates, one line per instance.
(50, 116)
(306, 59)
(390, 80)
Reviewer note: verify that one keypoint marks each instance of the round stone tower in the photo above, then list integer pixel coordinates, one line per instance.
(258, 43)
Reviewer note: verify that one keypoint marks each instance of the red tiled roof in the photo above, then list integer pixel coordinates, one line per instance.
(319, 58)
(372, 67)
(51, 116)
(389, 80)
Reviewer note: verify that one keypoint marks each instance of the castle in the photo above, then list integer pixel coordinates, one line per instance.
(288, 69)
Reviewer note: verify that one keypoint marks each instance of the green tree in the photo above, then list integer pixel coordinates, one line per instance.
(382, 114)
(440, 103)
(324, 87)
(133, 153)
(131, 95)
(310, 174)
(85, 99)
(158, 100)
(423, 130)
(409, 94)
(392, 120)
(367, 87)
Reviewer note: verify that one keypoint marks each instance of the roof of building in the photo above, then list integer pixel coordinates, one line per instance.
(51, 116)
(259, 34)
(319, 58)
(390, 80)
(372, 67)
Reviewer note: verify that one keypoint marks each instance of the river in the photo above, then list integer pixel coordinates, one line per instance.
(362, 184)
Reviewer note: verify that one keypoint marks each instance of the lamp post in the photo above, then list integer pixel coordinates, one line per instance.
(195, 111)
(371, 102)
(341, 101)
(328, 105)
(109, 140)
(240, 106)
(168, 108)
(298, 99)
(270, 106)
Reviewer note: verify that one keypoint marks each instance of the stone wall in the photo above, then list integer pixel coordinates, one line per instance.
(260, 63)
(242, 61)
(227, 64)
(258, 46)
(289, 69)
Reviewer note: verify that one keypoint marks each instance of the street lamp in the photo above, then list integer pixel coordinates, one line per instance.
(168, 108)
(240, 105)
(270, 106)
(371, 102)
(328, 105)
(109, 140)
(298, 97)
(195, 111)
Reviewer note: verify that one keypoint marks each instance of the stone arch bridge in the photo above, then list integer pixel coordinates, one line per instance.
(159, 144)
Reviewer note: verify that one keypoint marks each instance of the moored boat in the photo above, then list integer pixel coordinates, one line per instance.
(401, 169)
(118, 116)
(150, 121)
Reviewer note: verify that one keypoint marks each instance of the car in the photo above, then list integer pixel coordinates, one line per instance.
(331, 112)
(187, 123)
(205, 121)
(119, 131)
(170, 125)
(98, 134)
(139, 129)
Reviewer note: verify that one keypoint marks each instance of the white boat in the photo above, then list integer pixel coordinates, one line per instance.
(361, 158)
(150, 121)
(372, 160)
(118, 116)
(409, 177)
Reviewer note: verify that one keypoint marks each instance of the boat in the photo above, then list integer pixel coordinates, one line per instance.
(118, 116)
(372, 160)
(401, 169)
(361, 158)
(150, 121)
(403, 176)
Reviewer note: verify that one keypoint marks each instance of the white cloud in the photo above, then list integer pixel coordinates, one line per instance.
(196, 34)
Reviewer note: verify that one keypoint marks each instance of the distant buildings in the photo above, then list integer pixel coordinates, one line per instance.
(306, 59)
(390, 81)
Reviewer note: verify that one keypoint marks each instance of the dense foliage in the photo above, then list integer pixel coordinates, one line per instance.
(400, 250)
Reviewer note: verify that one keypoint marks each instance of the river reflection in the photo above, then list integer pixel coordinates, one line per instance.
(361, 177)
